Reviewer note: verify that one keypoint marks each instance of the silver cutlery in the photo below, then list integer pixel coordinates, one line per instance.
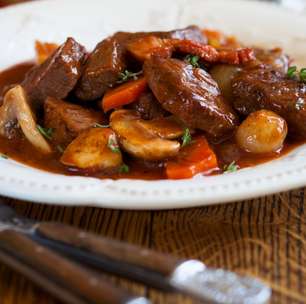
(153, 269)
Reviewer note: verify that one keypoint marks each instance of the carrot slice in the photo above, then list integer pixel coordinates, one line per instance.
(195, 158)
(44, 50)
(124, 94)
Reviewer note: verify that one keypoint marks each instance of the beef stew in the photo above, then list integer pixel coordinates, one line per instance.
(152, 105)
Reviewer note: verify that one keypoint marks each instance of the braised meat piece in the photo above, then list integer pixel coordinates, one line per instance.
(223, 74)
(103, 67)
(191, 95)
(266, 88)
(148, 107)
(67, 120)
(109, 59)
(58, 75)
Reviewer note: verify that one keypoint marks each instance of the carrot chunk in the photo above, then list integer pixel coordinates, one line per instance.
(195, 158)
(124, 94)
(44, 50)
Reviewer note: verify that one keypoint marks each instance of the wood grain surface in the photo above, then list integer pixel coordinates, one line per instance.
(262, 237)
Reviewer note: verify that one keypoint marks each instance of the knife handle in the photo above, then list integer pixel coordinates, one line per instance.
(121, 252)
(64, 279)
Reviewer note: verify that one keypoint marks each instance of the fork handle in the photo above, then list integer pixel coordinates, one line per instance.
(117, 251)
(57, 274)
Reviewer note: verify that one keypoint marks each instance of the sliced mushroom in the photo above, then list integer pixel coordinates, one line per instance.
(94, 149)
(140, 139)
(15, 109)
(164, 127)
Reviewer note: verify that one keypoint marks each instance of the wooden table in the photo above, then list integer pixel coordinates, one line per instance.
(264, 237)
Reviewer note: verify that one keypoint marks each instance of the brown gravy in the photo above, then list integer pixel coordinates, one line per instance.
(21, 150)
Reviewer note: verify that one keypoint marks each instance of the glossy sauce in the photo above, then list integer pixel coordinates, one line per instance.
(21, 150)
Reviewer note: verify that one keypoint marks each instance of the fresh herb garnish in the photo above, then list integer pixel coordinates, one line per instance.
(124, 169)
(97, 125)
(186, 138)
(3, 156)
(46, 132)
(193, 60)
(303, 74)
(60, 148)
(113, 144)
(291, 73)
(127, 75)
(232, 167)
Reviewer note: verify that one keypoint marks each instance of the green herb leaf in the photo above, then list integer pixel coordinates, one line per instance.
(113, 144)
(291, 72)
(60, 148)
(186, 138)
(127, 75)
(46, 132)
(303, 74)
(193, 60)
(232, 167)
(97, 125)
(124, 169)
(3, 156)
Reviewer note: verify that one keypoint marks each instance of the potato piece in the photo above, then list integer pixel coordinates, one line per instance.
(139, 139)
(223, 74)
(262, 132)
(94, 150)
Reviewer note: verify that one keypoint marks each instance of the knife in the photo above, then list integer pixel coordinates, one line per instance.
(161, 271)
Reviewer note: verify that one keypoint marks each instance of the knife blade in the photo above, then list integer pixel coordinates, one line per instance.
(162, 271)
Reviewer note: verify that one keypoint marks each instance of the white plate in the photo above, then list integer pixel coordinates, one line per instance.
(90, 21)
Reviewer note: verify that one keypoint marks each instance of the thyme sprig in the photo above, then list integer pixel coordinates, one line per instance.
(232, 167)
(46, 132)
(186, 138)
(127, 75)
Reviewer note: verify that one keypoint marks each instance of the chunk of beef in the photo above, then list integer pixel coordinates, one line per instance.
(103, 67)
(266, 88)
(148, 107)
(68, 120)
(191, 95)
(109, 59)
(223, 74)
(58, 75)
